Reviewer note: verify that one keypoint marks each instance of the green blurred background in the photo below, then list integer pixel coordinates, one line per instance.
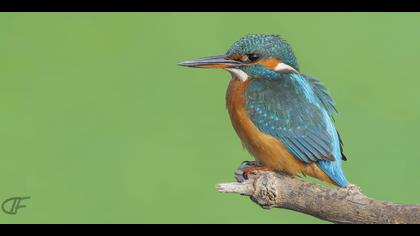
(99, 125)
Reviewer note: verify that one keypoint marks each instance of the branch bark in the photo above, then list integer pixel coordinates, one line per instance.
(339, 205)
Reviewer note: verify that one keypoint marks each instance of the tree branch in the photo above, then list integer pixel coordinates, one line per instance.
(340, 205)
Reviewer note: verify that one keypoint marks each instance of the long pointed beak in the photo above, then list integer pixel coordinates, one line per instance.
(211, 62)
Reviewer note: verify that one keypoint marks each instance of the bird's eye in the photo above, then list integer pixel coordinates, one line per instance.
(253, 57)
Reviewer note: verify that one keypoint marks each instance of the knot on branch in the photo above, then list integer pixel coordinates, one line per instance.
(266, 192)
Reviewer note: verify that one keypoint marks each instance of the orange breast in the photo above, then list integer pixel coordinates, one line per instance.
(266, 149)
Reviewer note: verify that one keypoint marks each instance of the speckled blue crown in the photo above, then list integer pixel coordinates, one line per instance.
(266, 46)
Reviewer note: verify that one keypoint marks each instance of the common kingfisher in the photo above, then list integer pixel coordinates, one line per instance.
(283, 117)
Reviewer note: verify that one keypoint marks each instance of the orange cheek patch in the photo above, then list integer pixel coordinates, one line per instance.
(269, 63)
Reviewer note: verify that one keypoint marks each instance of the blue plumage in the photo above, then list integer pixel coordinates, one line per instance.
(267, 45)
(297, 110)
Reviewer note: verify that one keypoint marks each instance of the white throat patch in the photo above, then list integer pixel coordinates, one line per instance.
(238, 73)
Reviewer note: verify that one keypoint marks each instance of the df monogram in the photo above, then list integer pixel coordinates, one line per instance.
(12, 205)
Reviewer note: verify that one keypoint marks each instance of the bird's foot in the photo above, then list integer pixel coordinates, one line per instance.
(249, 168)
(253, 170)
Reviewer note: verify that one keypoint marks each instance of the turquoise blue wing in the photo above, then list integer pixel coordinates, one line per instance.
(323, 95)
(290, 110)
(298, 112)
(329, 104)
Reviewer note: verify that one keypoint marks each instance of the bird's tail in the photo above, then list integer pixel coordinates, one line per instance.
(334, 171)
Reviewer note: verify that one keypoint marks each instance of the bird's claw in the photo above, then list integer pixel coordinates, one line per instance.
(240, 175)
(249, 168)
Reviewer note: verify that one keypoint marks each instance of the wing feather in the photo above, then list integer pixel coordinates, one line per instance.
(297, 111)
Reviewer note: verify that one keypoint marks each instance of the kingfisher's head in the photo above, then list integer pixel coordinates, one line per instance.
(255, 56)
